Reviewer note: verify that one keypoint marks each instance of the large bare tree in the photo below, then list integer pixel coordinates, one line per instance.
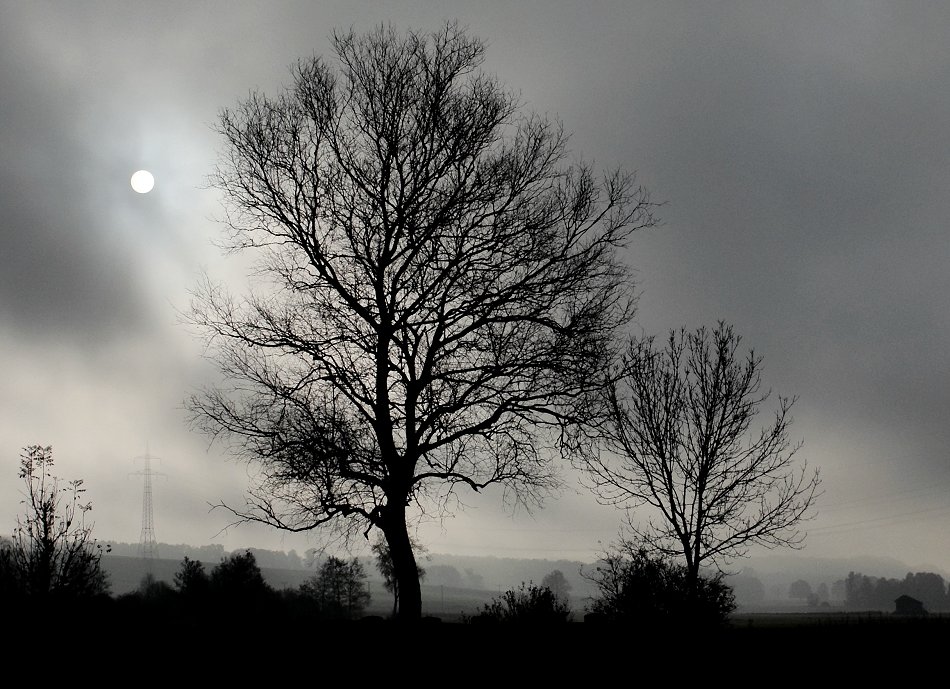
(680, 442)
(436, 289)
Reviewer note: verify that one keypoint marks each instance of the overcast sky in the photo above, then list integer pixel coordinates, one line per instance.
(802, 151)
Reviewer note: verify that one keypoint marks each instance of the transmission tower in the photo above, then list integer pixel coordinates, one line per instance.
(148, 548)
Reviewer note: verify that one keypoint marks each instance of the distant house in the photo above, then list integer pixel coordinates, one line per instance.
(905, 605)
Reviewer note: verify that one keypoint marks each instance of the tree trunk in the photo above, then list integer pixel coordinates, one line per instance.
(692, 575)
(691, 553)
(405, 571)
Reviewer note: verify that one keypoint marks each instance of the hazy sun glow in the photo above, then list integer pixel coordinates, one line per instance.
(142, 181)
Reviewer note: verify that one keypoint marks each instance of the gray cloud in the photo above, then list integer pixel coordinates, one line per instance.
(802, 150)
(59, 269)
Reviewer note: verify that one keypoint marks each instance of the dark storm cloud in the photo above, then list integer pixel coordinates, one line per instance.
(61, 268)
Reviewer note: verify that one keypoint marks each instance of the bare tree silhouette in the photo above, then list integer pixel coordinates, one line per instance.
(678, 427)
(52, 554)
(437, 290)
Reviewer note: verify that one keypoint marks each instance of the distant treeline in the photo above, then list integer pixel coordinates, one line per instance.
(214, 553)
(855, 592)
(878, 593)
(451, 571)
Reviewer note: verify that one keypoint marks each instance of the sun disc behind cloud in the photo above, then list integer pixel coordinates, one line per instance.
(142, 181)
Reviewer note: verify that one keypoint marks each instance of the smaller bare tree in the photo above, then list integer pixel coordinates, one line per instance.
(52, 552)
(678, 430)
(558, 583)
(339, 588)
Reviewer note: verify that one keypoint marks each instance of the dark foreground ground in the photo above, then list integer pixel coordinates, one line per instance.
(243, 648)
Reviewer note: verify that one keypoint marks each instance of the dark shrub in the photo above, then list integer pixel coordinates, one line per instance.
(529, 604)
(636, 587)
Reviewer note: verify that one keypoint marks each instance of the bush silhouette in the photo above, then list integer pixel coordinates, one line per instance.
(529, 604)
(636, 587)
(237, 586)
(191, 579)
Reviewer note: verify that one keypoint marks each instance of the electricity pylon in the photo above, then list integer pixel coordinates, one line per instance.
(148, 548)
